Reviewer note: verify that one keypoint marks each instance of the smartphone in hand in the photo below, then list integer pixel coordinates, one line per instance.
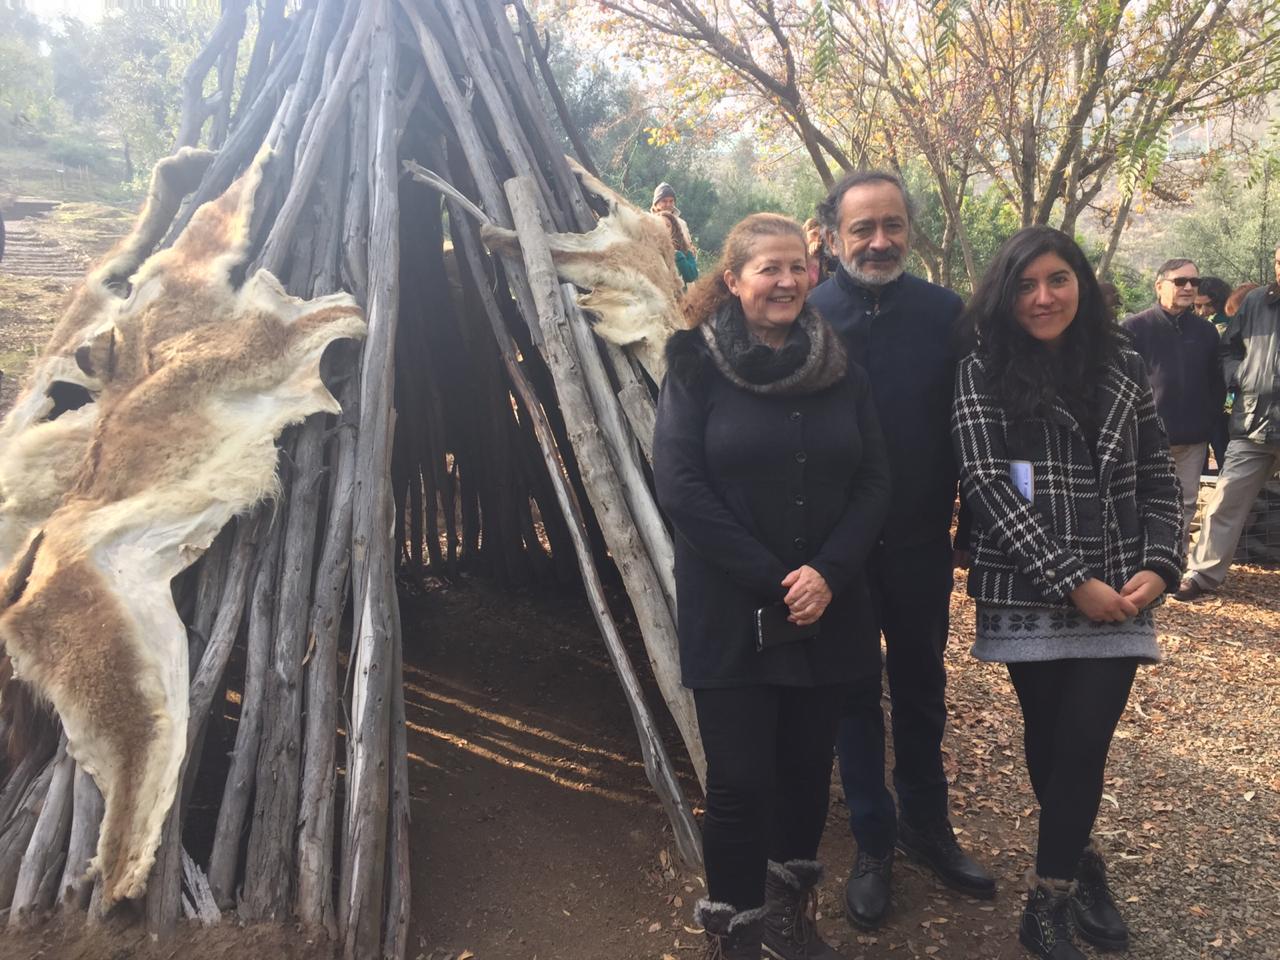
(773, 629)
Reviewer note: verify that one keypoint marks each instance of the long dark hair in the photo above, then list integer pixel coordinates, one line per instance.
(1025, 374)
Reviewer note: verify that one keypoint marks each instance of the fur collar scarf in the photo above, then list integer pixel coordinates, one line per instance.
(811, 360)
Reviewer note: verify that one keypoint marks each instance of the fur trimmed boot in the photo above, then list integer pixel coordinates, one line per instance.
(791, 928)
(1094, 907)
(732, 934)
(1046, 921)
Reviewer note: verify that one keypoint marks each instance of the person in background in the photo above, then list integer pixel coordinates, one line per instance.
(664, 201)
(1180, 350)
(1250, 359)
(821, 264)
(1111, 297)
(1237, 297)
(769, 462)
(1211, 303)
(899, 328)
(686, 262)
(1077, 535)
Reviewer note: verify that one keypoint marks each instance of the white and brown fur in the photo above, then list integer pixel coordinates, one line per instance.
(627, 265)
(191, 380)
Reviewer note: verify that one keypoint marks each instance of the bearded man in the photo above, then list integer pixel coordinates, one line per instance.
(899, 328)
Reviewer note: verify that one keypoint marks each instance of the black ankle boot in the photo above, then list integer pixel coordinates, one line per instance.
(934, 844)
(791, 926)
(1046, 921)
(732, 934)
(1094, 908)
(866, 895)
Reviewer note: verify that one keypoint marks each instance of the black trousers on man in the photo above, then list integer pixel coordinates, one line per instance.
(911, 590)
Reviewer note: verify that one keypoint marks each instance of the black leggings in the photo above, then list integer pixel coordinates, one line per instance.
(1070, 709)
(769, 753)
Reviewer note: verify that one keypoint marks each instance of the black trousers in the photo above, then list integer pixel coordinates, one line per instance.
(911, 590)
(769, 753)
(1070, 709)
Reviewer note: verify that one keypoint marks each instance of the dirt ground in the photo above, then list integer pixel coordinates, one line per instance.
(536, 836)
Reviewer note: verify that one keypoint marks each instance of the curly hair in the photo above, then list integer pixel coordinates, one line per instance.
(1024, 373)
(710, 293)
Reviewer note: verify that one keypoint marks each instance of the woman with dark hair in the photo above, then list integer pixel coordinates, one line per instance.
(769, 462)
(1077, 536)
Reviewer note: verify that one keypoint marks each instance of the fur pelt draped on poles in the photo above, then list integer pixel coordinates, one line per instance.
(371, 325)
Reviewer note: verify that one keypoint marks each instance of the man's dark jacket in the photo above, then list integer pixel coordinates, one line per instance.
(1181, 357)
(903, 335)
(757, 485)
(1251, 366)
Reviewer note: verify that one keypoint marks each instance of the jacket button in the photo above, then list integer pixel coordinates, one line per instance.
(801, 456)
(799, 501)
(795, 414)
(800, 543)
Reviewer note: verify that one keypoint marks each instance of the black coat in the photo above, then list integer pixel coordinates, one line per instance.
(1251, 366)
(756, 486)
(1181, 355)
(1104, 512)
(903, 336)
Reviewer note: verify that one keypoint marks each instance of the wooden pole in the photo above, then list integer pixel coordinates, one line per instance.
(363, 900)
(602, 488)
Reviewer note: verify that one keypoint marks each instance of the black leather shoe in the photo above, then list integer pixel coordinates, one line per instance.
(1094, 908)
(1189, 591)
(935, 845)
(866, 895)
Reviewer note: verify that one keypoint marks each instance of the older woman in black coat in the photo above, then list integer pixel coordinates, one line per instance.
(769, 462)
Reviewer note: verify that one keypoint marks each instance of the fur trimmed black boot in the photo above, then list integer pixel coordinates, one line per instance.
(732, 934)
(1046, 921)
(1094, 907)
(791, 927)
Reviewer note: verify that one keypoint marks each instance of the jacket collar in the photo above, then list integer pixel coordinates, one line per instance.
(1273, 294)
(860, 290)
(1119, 399)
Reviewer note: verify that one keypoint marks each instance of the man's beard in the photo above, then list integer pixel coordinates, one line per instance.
(878, 278)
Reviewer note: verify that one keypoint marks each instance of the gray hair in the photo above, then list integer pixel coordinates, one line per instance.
(829, 209)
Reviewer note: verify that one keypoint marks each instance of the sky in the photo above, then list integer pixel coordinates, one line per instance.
(88, 10)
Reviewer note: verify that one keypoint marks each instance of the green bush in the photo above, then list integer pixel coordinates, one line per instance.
(77, 151)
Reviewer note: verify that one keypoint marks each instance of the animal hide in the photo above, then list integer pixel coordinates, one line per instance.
(626, 264)
(184, 383)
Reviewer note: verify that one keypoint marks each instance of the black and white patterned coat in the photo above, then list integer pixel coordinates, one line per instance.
(1105, 515)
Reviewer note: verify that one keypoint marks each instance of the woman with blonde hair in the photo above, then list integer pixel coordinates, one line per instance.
(769, 462)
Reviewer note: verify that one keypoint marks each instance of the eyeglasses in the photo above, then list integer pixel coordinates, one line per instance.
(1183, 281)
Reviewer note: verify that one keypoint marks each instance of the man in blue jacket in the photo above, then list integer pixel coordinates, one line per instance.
(1180, 350)
(899, 328)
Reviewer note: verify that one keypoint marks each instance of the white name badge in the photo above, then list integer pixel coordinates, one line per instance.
(1023, 476)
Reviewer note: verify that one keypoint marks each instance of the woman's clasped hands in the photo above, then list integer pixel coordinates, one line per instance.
(1101, 602)
(807, 595)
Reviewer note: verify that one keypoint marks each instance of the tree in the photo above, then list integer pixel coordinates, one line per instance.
(1052, 102)
(26, 83)
(141, 58)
